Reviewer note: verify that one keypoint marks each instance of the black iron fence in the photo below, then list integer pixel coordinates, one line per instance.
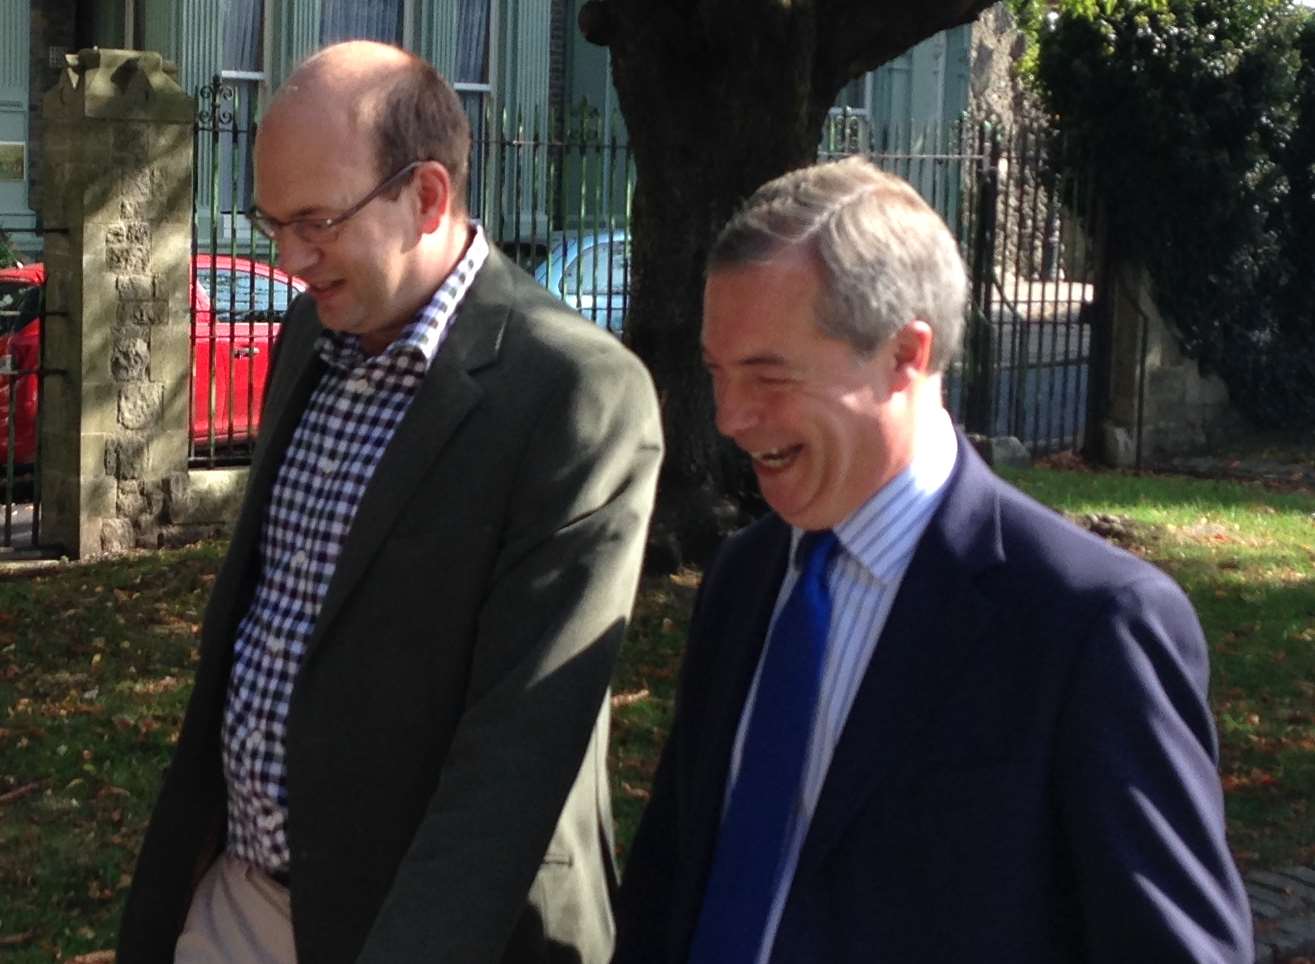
(1034, 275)
(236, 294)
(556, 196)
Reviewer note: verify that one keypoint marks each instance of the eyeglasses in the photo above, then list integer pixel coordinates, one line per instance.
(323, 230)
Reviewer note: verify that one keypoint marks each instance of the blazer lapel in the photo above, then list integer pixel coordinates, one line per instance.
(734, 638)
(738, 646)
(444, 398)
(938, 612)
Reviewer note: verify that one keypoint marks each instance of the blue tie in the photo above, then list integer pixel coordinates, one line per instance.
(747, 866)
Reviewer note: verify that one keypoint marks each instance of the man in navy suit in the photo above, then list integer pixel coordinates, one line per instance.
(1008, 755)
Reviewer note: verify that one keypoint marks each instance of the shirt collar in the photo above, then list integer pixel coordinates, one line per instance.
(883, 532)
(424, 334)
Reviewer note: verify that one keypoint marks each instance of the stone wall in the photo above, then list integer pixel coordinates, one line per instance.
(1153, 387)
(117, 329)
(993, 88)
(1037, 237)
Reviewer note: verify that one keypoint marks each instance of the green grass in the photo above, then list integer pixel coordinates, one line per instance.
(96, 661)
(95, 667)
(643, 694)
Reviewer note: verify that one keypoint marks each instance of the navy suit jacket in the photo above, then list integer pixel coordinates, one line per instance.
(1028, 772)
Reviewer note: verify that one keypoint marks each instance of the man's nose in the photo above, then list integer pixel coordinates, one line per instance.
(295, 256)
(737, 409)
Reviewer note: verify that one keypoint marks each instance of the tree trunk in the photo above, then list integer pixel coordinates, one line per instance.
(719, 97)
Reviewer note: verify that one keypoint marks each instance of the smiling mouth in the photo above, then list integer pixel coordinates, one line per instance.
(776, 458)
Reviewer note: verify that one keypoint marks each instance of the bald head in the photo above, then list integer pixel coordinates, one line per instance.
(394, 98)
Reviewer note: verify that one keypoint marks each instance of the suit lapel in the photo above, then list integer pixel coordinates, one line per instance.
(733, 637)
(442, 402)
(737, 646)
(938, 613)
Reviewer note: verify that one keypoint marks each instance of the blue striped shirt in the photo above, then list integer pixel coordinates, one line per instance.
(877, 541)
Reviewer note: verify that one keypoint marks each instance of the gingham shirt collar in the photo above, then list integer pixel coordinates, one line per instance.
(426, 332)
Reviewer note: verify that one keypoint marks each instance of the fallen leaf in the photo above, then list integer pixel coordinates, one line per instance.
(95, 957)
(21, 792)
(634, 793)
(626, 699)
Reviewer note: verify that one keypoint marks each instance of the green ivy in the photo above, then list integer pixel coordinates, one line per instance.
(1196, 121)
(8, 253)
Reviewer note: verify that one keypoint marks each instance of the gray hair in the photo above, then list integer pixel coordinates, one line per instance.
(887, 258)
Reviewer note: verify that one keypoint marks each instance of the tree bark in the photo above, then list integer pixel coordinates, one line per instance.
(720, 96)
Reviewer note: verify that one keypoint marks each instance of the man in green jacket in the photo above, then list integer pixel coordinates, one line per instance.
(395, 748)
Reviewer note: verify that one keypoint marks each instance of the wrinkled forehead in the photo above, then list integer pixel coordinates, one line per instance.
(306, 156)
(312, 113)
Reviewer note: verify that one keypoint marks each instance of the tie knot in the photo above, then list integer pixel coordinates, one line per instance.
(814, 549)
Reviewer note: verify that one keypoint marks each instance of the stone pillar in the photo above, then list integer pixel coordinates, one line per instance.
(1153, 387)
(118, 209)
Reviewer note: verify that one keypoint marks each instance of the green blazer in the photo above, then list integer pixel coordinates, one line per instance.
(447, 735)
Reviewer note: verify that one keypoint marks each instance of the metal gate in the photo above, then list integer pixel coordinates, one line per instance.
(22, 377)
(1034, 265)
(237, 296)
(1025, 231)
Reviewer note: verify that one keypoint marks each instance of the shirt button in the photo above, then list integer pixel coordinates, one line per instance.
(300, 559)
(358, 385)
(327, 465)
(276, 647)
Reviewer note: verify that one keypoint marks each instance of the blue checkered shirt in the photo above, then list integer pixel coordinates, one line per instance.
(349, 421)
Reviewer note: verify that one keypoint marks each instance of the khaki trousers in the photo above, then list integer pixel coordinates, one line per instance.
(238, 916)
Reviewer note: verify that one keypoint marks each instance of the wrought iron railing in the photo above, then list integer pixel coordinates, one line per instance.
(555, 194)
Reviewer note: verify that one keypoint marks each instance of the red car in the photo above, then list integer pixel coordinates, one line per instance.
(238, 304)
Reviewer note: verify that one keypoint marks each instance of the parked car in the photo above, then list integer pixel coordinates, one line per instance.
(590, 271)
(238, 303)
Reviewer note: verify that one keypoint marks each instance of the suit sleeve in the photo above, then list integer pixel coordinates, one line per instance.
(1141, 801)
(645, 908)
(548, 634)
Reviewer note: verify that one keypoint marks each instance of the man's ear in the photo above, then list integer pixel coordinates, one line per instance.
(912, 355)
(433, 194)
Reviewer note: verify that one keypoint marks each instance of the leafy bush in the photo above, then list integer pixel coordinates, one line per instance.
(1196, 120)
(8, 253)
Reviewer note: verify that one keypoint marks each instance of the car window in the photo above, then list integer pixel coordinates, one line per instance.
(602, 269)
(259, 293)
(20, 303)
(238, 293)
